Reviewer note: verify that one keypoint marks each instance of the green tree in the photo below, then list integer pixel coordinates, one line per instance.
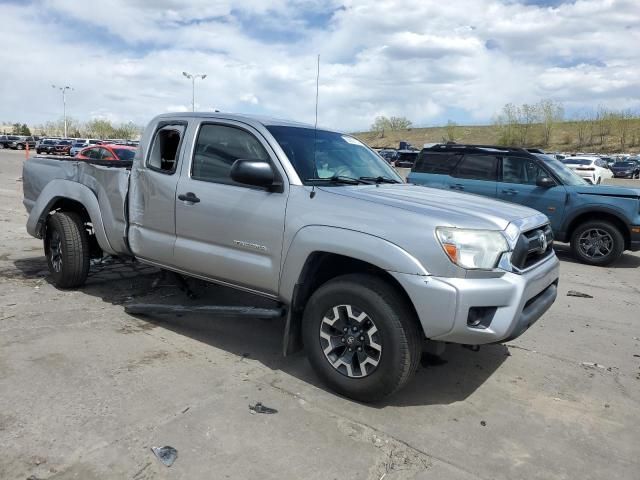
(551, 113)
(382, 124)
(99, 128)
(24, 130)
(452, 131)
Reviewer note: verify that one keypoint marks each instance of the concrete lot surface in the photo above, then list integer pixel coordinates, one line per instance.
(86, 389)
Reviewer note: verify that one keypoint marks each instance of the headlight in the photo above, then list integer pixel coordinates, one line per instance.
(472, 248)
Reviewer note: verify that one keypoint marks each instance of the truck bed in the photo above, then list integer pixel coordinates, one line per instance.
(107, 182)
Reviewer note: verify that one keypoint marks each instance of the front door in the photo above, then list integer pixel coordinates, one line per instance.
(518, 185)
(224, 230)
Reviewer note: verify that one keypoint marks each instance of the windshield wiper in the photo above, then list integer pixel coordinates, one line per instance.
(341, 179)
(380, 179)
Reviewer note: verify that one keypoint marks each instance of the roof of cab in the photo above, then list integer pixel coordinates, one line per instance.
(260, 119)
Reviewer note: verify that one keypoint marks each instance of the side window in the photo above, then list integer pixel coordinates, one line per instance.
(163, 155)
(217, 147)
(105, 154)
(477, 167)
(92, 154)
(521, 170)
(433, 162)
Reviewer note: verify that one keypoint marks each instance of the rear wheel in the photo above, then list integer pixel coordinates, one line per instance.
(66, 246)
(361, 337)
(597, 242)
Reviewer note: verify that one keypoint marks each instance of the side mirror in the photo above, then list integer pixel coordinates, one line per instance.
(253, 172)
(545, 182)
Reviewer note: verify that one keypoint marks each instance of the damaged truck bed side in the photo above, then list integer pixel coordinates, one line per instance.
(365, 266)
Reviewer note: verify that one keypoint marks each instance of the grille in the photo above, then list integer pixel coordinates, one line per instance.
(532, 247)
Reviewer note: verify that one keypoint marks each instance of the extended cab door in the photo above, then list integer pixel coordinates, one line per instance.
(152, 197)
(227, 231)
(476, 173)
(518, 185)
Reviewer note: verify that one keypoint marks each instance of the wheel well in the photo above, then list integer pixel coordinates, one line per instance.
(604, 216)
(68, 205)
(319, 268)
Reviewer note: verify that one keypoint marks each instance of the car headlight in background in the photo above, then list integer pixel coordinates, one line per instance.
(473, 249)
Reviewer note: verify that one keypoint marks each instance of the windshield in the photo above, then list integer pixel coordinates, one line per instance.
(564, 173)
(577, 161)
(125, 153)
(625, 164)
(334, 155)
(78, 144)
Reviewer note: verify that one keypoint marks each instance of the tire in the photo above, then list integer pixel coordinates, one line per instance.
(599, 181)
(66, 246)
(20, 147)
(590, 232)
(388, 323)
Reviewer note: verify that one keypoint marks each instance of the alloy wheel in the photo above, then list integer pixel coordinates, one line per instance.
(595, 243)
(350, 341)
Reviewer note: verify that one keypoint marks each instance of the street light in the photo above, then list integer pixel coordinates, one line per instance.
(64, 104)
(193, 87)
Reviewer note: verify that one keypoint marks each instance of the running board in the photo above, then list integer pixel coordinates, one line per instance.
(218, 310)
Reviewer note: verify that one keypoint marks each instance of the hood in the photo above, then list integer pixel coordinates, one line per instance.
(607, 190)
(479, 211)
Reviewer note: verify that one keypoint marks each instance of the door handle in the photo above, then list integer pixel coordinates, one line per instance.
(510, 191)
(456, 186)
(188, 197)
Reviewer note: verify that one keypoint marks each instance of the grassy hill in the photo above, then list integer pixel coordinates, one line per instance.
(564, 137)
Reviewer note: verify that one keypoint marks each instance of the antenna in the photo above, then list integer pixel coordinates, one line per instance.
(315, 129)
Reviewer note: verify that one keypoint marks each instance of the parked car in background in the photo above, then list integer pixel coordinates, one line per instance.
(406, 158)
(599, 221)
(82, 143)
(626, 169)
(592, 169)
(108, 152)
(46, 145)
(390, 155)
(21, 142)
(62, 147)
(7, 140)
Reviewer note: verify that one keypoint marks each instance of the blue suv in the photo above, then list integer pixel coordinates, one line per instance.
(599, 221)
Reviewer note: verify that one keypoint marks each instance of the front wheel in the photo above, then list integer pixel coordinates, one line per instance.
(66, 246)
(361, 337)
(20, 146)
(597, 242)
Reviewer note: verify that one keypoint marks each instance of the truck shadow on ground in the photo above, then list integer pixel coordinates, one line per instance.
(460, 373)
(563, 251)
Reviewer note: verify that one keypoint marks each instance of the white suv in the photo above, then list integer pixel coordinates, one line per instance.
(592, 169)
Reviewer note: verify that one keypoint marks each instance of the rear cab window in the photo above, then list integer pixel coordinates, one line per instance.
(165, 148)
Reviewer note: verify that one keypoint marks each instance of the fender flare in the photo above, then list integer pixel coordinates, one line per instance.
(595, 209)
(341, 241)
(65, 189)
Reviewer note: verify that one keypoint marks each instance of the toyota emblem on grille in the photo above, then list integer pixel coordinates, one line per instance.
(542, 240)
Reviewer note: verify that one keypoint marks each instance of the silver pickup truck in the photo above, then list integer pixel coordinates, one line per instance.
(366, 267)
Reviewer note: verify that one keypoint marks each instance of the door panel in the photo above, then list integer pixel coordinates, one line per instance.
(152, 198)
(518, 185)
(233, 232)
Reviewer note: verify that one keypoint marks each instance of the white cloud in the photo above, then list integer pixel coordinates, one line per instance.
(425, 59)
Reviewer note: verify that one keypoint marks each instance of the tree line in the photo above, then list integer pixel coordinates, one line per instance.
(100, 129)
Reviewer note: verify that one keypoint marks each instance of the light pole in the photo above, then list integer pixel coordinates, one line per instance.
(64, 104)
(193, 77)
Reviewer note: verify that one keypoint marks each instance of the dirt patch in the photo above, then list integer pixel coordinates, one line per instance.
(136, 328)
(149, 358)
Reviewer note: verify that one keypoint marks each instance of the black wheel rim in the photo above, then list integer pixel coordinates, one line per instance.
(595, 243)
(55, 251)
(350, 341)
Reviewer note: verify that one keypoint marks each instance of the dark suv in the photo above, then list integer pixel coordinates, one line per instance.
(600, 221)
(46, 146)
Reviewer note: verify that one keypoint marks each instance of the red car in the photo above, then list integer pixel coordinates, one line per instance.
(107, 152)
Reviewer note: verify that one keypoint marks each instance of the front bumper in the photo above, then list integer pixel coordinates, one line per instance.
(516, 300)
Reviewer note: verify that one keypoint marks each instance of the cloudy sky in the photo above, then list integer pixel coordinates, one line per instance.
(429, 60)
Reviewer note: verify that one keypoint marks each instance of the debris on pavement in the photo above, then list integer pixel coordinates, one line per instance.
(260, 408)
(483, 423)
(575, 293)
(166, 454)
